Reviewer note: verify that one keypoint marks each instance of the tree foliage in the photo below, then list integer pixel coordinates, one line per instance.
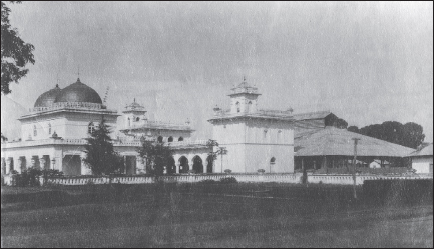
(15, 52)
(100, 155)
(156, 155)
(409, 134)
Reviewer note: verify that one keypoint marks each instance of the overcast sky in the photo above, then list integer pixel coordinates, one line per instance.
(367, 62)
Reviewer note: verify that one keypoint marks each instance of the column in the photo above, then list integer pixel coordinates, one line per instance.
(177, 167)
(204, 163)
(17, 165)
(139, 166)
(32, 162)
(42, 162)
(9, 162)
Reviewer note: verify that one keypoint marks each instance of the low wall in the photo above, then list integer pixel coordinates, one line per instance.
(284, 178)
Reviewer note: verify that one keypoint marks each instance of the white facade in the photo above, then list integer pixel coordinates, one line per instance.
(422, 164)
(53, 135)
(253, 139)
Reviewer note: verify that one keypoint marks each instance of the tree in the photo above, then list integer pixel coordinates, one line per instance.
(353, 128)
(15, 52)
(409, 135)
(155, 154)
(100, 155)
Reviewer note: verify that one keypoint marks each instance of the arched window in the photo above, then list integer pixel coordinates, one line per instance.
(279, 135)
(238, 106)
(49, 128)
(170, 139)
(160, 139)
(90, 128)
(129, 122)
(137, 119)
(35, 132)
(180, 139)
(265, 133)
(273, 160)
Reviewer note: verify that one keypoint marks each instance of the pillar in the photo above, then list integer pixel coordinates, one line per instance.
(17, 165)
(302, 163)
(42, 162)
(9, 162)
(177, 164)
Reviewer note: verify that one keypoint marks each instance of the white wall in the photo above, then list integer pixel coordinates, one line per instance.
(422, 164)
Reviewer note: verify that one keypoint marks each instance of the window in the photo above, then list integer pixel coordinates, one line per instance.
(137, 119)
(180, 139)
(238, 106)
(430, 168)
(279, 135)
(160, 139)
(265, 134)
(250, 106)
(35, 132)
(273, 160)
(129, 122)
(49, 128)
(90, 128)
(170, 139)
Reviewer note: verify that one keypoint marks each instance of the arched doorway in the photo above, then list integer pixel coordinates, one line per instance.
(209, 164)
(171, 167)
(197, 164)
(183, 165)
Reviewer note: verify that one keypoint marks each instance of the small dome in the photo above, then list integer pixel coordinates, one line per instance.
(47, 99)
(78, 92)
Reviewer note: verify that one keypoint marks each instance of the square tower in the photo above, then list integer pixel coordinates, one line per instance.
(253, 139)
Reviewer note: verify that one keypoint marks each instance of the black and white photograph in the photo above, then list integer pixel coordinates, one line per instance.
(216, 124)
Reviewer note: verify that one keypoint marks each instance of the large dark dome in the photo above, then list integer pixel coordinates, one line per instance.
(78, 92)
(47, 98)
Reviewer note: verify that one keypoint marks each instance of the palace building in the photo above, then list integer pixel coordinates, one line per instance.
(54, 132)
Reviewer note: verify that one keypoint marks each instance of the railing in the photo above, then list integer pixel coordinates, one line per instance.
(75, 105)
(160, 124)
(363, 170)
(116, 142)
(244, 90)
(282, 178)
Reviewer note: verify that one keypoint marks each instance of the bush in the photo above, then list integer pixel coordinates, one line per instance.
(208, 181)
(29, 177)
(227, 171)
(227, 180)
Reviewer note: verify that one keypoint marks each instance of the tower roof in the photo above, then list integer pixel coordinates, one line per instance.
(244, 88)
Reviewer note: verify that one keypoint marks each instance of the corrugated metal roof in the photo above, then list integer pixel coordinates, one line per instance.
(334, 141)
(425, 151)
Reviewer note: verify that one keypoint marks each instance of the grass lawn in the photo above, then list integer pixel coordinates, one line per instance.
(236, 215)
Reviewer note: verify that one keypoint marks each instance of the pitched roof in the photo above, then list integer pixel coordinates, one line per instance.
(334, 141)
(425, 151)
(311, 115)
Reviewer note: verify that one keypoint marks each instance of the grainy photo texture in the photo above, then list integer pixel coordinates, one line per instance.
(216, 124)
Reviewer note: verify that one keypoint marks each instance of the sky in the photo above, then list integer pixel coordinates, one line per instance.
(367, 62)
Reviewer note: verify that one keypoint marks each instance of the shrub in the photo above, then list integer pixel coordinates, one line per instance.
(227, 171)
(226, 180)
(208, 181)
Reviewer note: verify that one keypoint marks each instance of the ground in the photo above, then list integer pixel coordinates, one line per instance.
(233, 215)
